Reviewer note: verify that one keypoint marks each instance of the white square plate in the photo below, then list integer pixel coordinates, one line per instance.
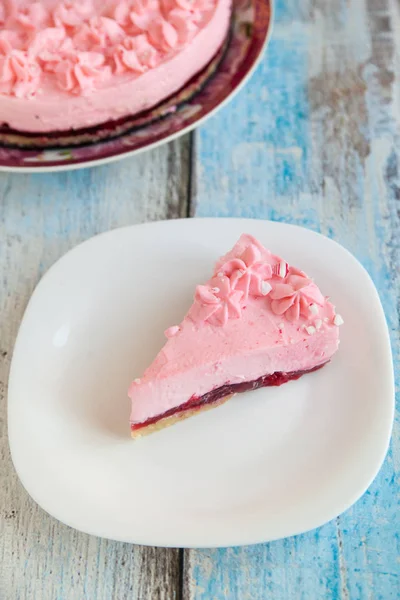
(267, 464)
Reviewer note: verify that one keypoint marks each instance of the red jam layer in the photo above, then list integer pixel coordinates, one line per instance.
(275, 379)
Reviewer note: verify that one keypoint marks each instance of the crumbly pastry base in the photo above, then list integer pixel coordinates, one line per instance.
(172, 419)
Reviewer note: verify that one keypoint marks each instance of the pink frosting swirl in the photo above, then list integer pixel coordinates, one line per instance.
(184, 25)
(99, 32)
(217, 302)
(80, 72)
(71, 13)
(143, 13)
(48, 42)
(196, 7)
(294, 296)
(9, 40)
(33, 16)
(121, 12)
(19, 73)
(162, 34)
(248, 273)
(135, 54)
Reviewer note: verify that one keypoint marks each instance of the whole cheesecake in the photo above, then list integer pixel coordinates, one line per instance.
(76, 64)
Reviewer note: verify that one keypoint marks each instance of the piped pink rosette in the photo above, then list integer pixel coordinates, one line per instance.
(249, 273)
(218, 302)
(295, 295)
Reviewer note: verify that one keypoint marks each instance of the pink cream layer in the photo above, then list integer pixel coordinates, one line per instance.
(124, 63)
(286, 328)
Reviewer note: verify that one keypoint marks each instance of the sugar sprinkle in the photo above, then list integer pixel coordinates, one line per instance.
(338, 320)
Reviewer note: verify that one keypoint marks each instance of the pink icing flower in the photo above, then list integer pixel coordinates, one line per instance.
(47, 42)
(143, 13)
(19, 74)
(121, 12)
(141, 22)
(9, 40)
(162, 34)
(248, 273)
(33, 16)
(294, 296)
(146, 53)
(71, 13)
(145, 6)
(80, 73)
(99, 32)
(189, 6)
(135, 54)
(127, 60)
(217, 302)
(184, 24)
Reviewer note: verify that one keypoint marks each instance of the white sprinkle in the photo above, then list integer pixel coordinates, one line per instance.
(220, 274)
(318, 324)
(326, 319)
(282, 269)
(281, 325)
(338, 320)
(137, 380)
(313, 309)
(292, 341)
(310, 330)
(171, 331)
(214, 290)
(265, 288)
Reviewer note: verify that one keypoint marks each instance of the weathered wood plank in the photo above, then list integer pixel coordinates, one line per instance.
(314, 139)
(41, 217)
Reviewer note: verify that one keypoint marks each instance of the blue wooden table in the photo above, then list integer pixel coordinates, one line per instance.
(313, 139)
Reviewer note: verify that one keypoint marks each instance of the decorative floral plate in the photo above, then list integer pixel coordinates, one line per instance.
(201, 97)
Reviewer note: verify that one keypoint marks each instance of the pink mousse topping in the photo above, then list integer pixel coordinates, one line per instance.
(52, 49)
(257, 315)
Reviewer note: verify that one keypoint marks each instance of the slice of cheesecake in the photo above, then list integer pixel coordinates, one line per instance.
(257, 322)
